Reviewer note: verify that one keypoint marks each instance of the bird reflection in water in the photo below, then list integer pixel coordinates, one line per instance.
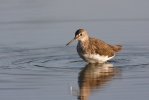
(94, 76)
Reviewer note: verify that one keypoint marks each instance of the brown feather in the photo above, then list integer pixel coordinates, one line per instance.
(116, 48)
(96, 46)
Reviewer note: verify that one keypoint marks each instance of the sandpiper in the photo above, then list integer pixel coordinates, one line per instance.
(93, 50)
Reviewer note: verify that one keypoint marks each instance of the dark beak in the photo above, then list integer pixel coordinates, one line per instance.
(71, 41)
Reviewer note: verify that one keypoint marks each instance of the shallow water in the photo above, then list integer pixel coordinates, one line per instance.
(35, 64)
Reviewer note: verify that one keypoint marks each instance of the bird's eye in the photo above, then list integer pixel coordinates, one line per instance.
(80, 34)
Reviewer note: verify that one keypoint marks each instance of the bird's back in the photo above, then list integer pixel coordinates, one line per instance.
(102, 48)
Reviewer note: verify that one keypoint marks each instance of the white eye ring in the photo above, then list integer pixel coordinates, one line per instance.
(80, 34)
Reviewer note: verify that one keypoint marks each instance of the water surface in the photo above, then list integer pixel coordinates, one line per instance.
(35, 64)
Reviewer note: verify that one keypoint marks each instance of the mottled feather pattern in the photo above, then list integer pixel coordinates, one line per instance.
(95, 46)
(93, 50)
(116, 48)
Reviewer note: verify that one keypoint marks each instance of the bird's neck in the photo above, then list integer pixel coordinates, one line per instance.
(84, 43)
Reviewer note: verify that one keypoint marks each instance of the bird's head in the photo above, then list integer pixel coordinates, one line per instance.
(80, 35)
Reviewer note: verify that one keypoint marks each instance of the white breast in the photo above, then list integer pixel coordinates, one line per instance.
(94, 58)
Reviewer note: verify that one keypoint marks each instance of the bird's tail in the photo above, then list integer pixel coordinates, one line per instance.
(117, 48)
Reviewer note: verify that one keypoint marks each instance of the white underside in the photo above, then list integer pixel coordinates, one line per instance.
(95, 58)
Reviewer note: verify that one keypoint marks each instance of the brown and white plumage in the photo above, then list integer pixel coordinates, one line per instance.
(93, 50)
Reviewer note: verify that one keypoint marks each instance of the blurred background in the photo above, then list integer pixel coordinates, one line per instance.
(35, 64)
(50, 22)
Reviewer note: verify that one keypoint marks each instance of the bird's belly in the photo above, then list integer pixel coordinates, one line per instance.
(94, 58)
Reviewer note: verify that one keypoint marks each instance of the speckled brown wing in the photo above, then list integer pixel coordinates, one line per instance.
(102, 48)
(116, 48)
